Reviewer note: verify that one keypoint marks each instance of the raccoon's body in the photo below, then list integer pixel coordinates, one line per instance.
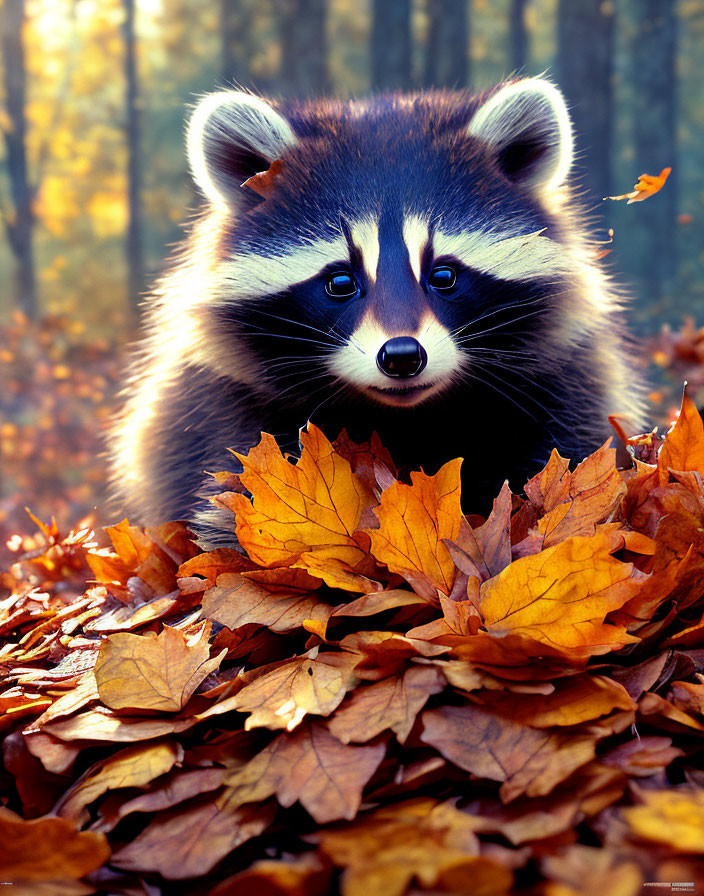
(412, 265)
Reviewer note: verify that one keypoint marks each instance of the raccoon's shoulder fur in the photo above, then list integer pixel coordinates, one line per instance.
(416, 265)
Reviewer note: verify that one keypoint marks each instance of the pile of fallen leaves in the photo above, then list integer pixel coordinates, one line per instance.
(383, 697)
(680, 355)
(58, 386)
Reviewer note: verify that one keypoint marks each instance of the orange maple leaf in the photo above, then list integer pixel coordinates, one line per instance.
(648, 185)
(683, 450)
(157, 672)
(414, 521)
(304, 515)
(561, 596)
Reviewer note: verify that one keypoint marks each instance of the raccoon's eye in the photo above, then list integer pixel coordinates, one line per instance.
(442, 277)
(341, 285)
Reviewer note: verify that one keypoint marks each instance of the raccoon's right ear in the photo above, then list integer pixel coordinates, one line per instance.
(527, 124)
(233, 135)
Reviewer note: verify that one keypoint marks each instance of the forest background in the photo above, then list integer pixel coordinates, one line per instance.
(94, 189)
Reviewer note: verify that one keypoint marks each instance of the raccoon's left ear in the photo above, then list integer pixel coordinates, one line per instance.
(233, 135)
(528, 126)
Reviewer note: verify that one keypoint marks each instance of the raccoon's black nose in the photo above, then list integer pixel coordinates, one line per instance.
(402, 356)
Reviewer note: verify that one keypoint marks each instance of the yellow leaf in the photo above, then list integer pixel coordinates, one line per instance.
(560, 596)
(157, 672)
(673, 817)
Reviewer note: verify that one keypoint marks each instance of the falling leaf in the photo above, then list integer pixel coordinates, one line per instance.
(647, 185)
(158, 672)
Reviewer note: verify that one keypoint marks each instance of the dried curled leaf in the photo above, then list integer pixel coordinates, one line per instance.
(188, 842)
(303, 686)
(133, 767)
(47, 849)
(313, 767)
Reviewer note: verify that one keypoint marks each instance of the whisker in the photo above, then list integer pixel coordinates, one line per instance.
(521, 374)
(505, 324)
(528, 395)
(330, 332)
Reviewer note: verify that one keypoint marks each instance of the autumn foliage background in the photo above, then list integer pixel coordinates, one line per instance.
(383, 695)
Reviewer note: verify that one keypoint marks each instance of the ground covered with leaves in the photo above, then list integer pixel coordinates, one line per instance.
(383, 696)
(57, 388)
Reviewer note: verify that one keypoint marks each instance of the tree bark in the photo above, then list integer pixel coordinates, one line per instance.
(19, 220)
(447, 59)
(585, 74)
(391, 44)
(134, 247)
(304, 47)
(517, 35)
(654, 141)
(236, 29)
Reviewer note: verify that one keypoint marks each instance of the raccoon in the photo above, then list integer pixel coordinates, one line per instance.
(416, 266)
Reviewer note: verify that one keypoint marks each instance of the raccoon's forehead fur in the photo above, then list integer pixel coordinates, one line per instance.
(388, 161)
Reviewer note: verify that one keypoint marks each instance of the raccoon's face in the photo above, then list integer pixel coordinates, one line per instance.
(399, 246)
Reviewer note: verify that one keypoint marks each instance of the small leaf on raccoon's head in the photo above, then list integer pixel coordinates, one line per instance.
(263, 183)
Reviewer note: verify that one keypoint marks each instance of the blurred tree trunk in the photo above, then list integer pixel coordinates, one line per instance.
(447, 59)
(304, 46)
(134, 245)
(654, 138)
(19, 219)
(391, 44)
(517, 35)
(585, 74)
(236, 18)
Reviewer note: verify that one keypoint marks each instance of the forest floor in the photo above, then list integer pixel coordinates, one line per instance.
(381, 696)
